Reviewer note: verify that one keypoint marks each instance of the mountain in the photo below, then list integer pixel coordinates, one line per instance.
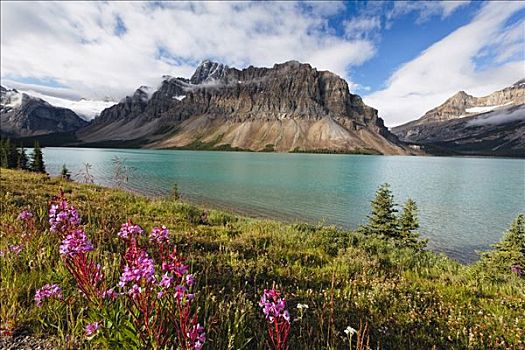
(24, 115)
(464, 124)
(289, 107)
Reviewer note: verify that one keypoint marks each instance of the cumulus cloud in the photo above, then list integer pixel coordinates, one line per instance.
(452, 64)
(101, 49)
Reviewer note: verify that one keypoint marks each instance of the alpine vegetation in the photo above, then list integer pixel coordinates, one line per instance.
(99, 268)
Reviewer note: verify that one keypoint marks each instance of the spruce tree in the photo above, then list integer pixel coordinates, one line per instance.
(4, 152)
(508, 254)
(64, 173)
(408, 224)
(12, 155)
(22, 159)
(382, 220)
(37, 160)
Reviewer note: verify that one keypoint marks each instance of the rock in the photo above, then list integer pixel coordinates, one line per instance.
(24, 342)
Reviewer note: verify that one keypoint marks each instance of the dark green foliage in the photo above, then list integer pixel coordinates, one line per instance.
(175, 194)
(382, 221)
(37, 160)
(11, 157)
(385, 223)
(509, 253)
(3, 153)
(64, 173)
(408, 225)
(22, 161)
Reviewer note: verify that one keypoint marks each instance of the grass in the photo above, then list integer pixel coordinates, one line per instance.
(407, 299)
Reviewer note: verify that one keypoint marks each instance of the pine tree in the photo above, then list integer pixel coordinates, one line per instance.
(12, 155)
(382, 220)
(37, 160)
(508, 254)
(22, 159)
(408, 224)
(64, 173)
(4, 153)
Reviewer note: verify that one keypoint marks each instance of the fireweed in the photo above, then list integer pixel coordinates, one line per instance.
(161, 298)
(277, 318)
(157, 297)
(48, 291)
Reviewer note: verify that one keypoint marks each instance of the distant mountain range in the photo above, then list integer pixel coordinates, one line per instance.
(25, 115)
(464, 124)
(290, 107)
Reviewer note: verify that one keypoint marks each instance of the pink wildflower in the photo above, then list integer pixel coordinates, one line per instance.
(92, 328)
(166, 281)
(159, 235)
(197, 336)
(75, 243)
(277, 317)
(141, 270)
(25, 215)
(62, 216)
(129, 230)
(16, 249)
(46, 292)
(110, 294)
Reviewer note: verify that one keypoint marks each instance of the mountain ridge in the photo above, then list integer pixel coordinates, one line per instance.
(489, 125)
(288, 107)
(23, 115)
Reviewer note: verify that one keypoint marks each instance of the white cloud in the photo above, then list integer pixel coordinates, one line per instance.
(450, 65)
(362, 27)
(75, 43)
(425, 9)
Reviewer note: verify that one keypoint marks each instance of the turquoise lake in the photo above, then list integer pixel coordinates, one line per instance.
(465, 204)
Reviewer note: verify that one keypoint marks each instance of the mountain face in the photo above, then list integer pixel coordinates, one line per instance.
(464, 124)
(23, 115)
(289, 107)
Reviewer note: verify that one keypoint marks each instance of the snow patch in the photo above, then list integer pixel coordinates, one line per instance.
(485, 109)
(86, 109)
(12, 99)
(179, 97)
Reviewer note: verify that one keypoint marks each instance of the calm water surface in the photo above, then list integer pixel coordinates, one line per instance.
(465, 204)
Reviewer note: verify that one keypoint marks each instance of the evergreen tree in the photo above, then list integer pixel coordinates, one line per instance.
(37, 160)
(12, 154)
(4, 152)
(23, 161)
(408, 224)
(64, 173)
(382, 220)
(508, 254)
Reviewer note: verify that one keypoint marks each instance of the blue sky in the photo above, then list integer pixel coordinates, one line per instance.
(402, 57)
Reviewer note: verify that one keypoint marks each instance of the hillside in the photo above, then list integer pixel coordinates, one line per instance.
(407, 298)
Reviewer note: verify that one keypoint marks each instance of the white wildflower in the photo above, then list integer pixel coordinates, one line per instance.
(350, 331)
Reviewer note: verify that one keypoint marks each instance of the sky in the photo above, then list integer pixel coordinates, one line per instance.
(403, 58)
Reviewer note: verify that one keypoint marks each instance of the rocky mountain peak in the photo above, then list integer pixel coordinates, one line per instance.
(208, 71)
(143, 93)
(25, 115)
